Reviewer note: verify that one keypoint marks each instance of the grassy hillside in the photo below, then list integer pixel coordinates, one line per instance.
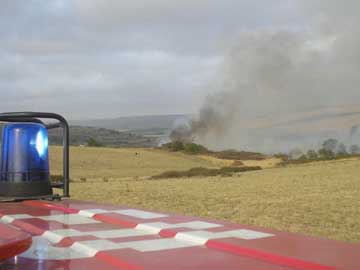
(95, 163)
(320, 198)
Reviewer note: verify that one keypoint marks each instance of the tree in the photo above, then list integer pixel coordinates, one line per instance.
(354, 149)
(326, 154)
(311, 154)
(93, 143)
(341, 150)
(330, 145)
(296, 153)
(329, 149)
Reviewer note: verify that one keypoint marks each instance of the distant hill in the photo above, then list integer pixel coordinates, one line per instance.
(150, 124)
(302, 129)
(107, 137)
(136, 131)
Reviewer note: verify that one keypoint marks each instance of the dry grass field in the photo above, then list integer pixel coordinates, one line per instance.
(319, 198)
(96, 163)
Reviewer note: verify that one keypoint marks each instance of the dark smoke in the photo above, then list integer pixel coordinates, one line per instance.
(269, 77)
(354, 130)
(212, 120)
(182, 131)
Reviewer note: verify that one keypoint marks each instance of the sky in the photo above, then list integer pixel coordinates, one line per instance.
(91, 59)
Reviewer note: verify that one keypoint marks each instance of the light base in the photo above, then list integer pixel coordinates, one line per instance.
(25, 189)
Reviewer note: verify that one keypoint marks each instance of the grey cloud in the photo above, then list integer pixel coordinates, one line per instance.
(192, 27)
(272, 62)
(111, 58)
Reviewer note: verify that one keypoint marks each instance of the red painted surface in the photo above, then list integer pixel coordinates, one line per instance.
(116, 261)
(96, 236)
(265, 256)
(12, 242)
(114, 220)
(167, 233)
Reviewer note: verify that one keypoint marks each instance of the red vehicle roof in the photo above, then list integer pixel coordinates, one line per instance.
(75, 235)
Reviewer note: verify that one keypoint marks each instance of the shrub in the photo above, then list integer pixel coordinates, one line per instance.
(239, 155)
(174, 146)
(188, 148)
(193, 148)
(205, 172)
(177, 146)
(237, 163)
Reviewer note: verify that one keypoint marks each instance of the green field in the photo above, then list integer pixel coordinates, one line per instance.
(320, 199)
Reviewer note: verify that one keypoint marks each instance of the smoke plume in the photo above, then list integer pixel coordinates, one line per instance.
(354, 130)
(274, 85)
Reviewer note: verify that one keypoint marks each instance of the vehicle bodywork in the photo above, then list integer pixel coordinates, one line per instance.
(75, 235)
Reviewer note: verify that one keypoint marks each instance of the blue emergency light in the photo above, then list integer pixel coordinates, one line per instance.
(24, 165)
(24, 153)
